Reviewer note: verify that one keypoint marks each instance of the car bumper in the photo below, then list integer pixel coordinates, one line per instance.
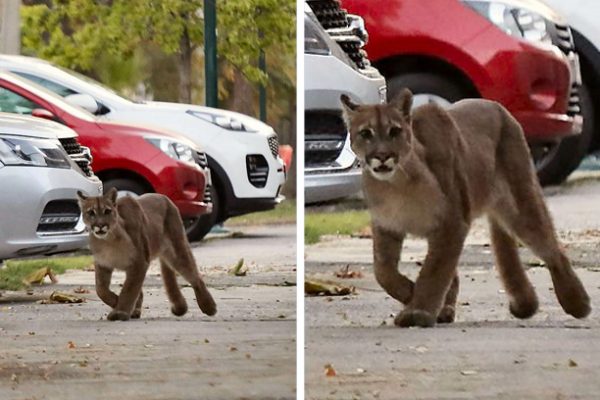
(326, 186)
(183, 183)
(30, 190)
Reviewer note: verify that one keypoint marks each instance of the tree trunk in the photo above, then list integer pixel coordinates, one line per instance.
(243, 94)
(185, 69)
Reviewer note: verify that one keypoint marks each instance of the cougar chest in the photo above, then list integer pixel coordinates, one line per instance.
(414, 209)
(114, 254)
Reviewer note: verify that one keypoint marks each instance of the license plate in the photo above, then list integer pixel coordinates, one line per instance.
(575, 68)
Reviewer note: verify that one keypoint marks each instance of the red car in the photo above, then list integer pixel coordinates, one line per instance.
(134, 159)
(519, 54)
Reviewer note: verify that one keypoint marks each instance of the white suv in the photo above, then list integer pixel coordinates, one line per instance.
(243, 153)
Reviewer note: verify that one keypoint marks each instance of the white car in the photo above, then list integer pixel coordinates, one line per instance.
(243, 153)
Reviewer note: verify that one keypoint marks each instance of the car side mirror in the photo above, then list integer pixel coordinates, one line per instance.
(43, 113)
(84, 101)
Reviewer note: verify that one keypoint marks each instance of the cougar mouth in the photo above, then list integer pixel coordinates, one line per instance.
(382, 170)
(100, 232)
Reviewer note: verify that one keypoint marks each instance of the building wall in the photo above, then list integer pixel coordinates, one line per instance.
(10, 42)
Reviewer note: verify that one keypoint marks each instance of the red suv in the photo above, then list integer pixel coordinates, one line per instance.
(520, 54)
(133, 159)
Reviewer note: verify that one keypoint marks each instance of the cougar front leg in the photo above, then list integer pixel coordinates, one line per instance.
(130, 293)
(386, 252)
(103, 276)
(435, 278)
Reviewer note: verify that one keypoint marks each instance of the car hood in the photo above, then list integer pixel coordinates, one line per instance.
(144, 131)
(20, 125)
(248, 121)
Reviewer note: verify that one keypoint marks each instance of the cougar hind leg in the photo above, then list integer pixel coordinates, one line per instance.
(178, 304)
(531, 222)
(448, 312)
(522, 296)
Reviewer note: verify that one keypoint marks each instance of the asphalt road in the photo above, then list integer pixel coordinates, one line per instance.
(247, 351)
(486, 353)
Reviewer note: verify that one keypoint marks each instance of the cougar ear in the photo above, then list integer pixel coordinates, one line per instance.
(81, 196)
(111, 195)
(403, 101)
(348, 107)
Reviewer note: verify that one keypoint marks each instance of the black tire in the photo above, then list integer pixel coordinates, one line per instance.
(197, 228)
(569, 153)
(128, 185)
(426, 82)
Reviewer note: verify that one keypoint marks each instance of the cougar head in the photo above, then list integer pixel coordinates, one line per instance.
(99, 213)
(380, 135)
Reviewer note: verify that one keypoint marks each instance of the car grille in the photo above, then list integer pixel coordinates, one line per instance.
(202, 161)
(325, 135)
(341, 27)
(563, 39)
(274, 145)
(79, 154)
(59, 216)
(258, 170)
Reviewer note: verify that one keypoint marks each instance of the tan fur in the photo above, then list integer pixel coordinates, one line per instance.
(431, 172)
(126, 234)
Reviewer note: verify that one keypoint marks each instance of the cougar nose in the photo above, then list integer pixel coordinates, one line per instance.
(382, 159)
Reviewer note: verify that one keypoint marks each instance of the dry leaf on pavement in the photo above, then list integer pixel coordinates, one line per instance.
(345, 273)
(37, 277)
(314, 288)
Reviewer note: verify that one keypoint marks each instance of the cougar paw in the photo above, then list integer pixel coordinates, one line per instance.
(136, 314)
(179, 310)
(446, 315)
(411, 317)
(116, 315)
(523, 309)
(207, 305)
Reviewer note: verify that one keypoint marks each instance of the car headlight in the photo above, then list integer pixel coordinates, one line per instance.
(314, 40)
(174, 149)
(33, 152)
(516, 21)
(225, 122)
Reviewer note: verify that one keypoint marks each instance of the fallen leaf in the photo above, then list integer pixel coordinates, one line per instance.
(329, 371)
(71, 345)
(572, 363)
(314, 287)
(536, 262)
(233, 348)
(468, 372)
(361, 370)
(239, 269)
(345, 273)
(60, 297)
(421, 349)
(37, 277)
(80, 290)
(364, 233)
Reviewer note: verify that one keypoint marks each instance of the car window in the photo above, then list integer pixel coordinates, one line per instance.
(52, 86)
(14, 103)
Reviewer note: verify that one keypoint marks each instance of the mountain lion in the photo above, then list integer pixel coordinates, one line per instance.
(430, 172)
(127, 234)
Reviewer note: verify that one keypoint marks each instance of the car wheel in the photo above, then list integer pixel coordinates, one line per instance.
(197, 228)
(555, 163)
(125, 187)
(426, 88)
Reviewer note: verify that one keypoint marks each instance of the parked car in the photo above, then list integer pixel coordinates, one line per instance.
(243, 153)
(133, 159)
(334, 64)
(519, 53)
(582, 16)
(39, 180)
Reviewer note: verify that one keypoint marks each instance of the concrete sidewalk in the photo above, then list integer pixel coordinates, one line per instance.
(247, 351)
(486, 354)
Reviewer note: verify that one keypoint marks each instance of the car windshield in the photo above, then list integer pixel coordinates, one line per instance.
(95, 84)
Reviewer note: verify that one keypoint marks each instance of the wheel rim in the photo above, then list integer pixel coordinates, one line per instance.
(124, 193)
(543, 154)
(429, 98)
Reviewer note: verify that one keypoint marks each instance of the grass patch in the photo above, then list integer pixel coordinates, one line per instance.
(12, 275)
(317, 224)
(283, 213)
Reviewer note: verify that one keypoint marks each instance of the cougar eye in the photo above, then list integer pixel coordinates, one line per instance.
(107, 211)
(91, 213)
(395, 131)
(365, 134)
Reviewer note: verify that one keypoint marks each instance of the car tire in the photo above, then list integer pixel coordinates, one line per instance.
(198, 228)
(125, 186)
(569, 153)
(426, 84)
